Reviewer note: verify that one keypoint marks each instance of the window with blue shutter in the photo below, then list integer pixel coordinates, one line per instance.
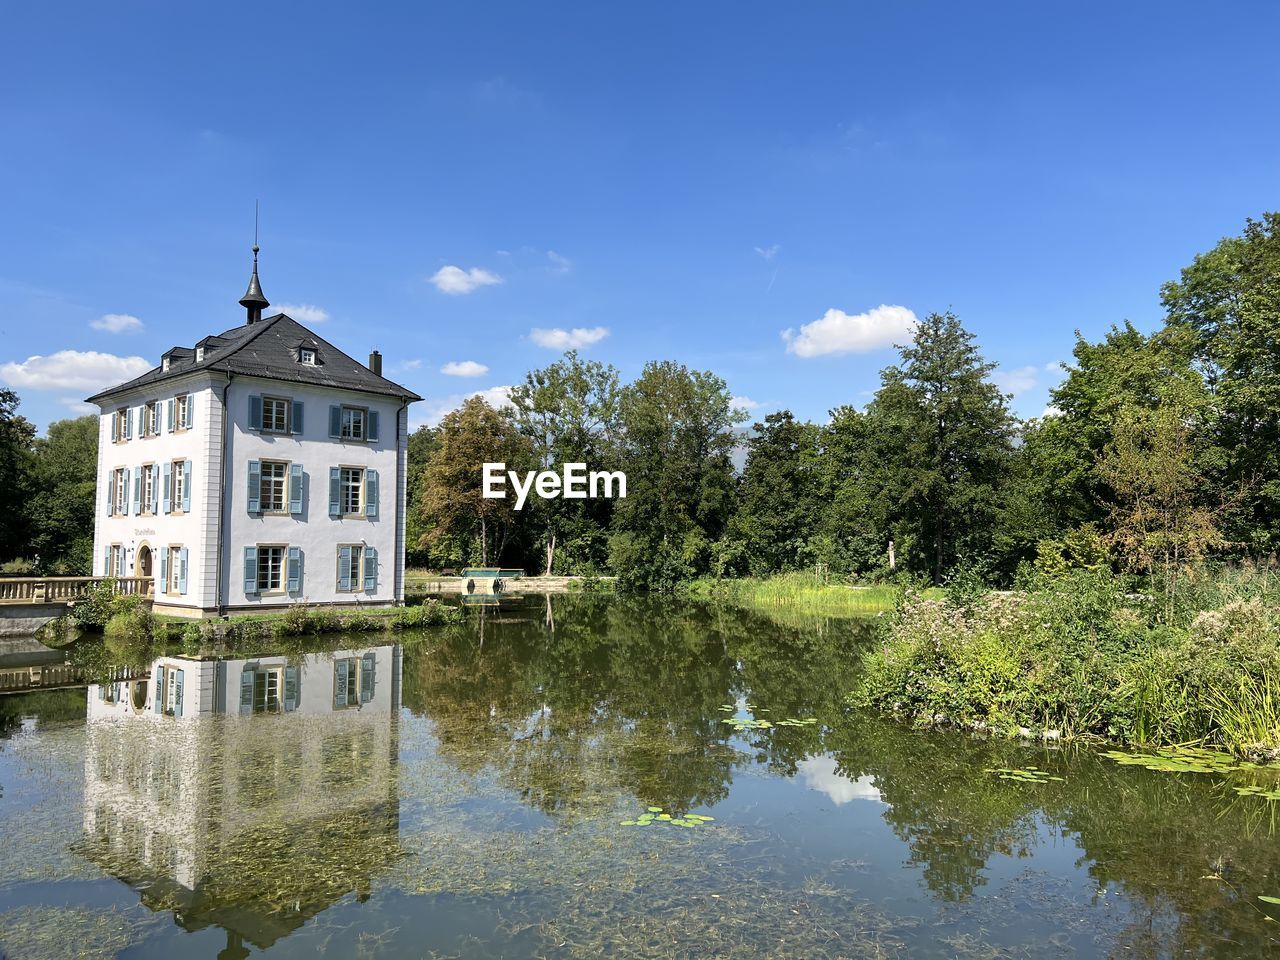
(128, 424)
(115, 428)
(164, 570)
(255, 486)
(166, 502)
(106, 561)
(367, 664)
(250, 569)
(344, 568)
(168, 415)
(182, 571)
(137, 491)
(335, 421)
(187, 416)
(155, 488)
(296, 426)
(370, 570)
(339, 684)
(246, 691)
(373, 425)
(186, 486)
(295, 488)
(158, 703)
(295, 569)
(371, 493)
(255, 412)
(335, 490)
(111, 493)
(178, 677)
(291, 681)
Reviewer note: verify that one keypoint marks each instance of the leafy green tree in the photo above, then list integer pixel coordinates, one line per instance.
(678, 434)
(65, 492)
(17, 436)
(422, 444)
(943, 439)
(777, 496)
(453, 509)
(569, 410)
(1229, 299)
(851, 534)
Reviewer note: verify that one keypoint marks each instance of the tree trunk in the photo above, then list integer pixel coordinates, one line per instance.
(551, 551)
(484, 543)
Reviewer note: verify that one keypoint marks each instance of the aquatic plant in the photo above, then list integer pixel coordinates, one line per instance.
(1024, 774)
(658, 816)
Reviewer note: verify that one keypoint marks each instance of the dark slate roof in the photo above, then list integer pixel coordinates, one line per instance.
(268, 348)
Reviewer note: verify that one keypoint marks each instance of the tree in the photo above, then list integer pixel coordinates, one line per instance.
(1229, 299)
(942, 437)
(65, 492)
(422, 443)
(678, 433)
(569, 411)
(777, 496)
(16, 438)
(451, 501)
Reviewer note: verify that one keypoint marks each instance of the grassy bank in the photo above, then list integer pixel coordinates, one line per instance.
(1084, 655)
(801, 591)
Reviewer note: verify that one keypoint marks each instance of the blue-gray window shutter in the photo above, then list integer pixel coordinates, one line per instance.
(370, 570)
(373, 425)
(290, 688)
(106, 561)
(177, 692)
(296, 426)
(128, 424)
(255, 486)
(191, 403)
(295, 488)
(367, 663)
(246, 691)
(168, 415)
(115, 428)
(344, 568)
(295, 569)
(186, 486)
(250, 569)
(335, 481)
(166, 503)
(158, 704)
(164, 570)
(182, 571)
(111, 493)
(339, 683)
(137, 490)
(371, 493)
(155, 488)
(255, 412)
(335, 421)
(124, 494)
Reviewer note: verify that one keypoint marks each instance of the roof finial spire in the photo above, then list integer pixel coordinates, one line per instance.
(253, 300)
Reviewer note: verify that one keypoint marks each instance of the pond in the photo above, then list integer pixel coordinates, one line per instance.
(585, 776)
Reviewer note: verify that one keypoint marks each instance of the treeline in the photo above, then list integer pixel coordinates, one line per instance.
(1157, 450)
(48, 487)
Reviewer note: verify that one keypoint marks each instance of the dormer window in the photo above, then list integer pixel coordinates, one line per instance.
(307, 355)
(164, 363)
(199, 354)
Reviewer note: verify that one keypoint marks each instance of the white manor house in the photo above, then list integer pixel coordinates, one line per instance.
(259, 468)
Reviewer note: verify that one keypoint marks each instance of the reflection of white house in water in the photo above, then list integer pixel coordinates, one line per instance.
(189, 773)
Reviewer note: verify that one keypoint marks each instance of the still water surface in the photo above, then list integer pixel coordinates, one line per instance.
(464, 794)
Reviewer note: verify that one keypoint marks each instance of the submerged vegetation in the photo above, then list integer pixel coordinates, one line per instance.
(1082, 654)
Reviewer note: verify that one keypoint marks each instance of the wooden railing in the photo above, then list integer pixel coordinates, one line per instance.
(67, 589)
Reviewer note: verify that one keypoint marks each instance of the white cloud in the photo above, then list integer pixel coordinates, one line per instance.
(1051, 411)
(303, 312)
(77, 406)
(840, 332)
(431, 412)
(454, 280)
(72, 370)
(559, 263)
(1015, 381)
(464, 368)
(820, 774)
(557, 338)
(414, 364)
(746, 403)
(768, 252)
(117, 323)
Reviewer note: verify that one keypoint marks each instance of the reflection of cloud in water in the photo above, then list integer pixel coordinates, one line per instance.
(820, 774)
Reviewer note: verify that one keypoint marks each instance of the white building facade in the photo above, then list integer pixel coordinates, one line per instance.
(260, 468)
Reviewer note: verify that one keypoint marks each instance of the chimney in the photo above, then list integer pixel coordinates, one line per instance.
(375, 362)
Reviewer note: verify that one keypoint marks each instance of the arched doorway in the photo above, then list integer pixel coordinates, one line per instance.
(142, 565)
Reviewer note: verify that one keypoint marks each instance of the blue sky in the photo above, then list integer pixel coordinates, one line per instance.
(693, 179)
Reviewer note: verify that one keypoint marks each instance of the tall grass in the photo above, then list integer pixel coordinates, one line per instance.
(803, 591)
(1249, 714)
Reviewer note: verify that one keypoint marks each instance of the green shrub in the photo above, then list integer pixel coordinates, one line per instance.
(18, 567)
(429, 613)
(363, 623)
(128, 636)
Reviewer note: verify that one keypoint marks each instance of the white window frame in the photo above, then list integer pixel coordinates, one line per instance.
(267, 482)
(175, 486)
(354, 423)
(268, 423)
(174, 569)
(115, 560)
(356, 581)
(180, 411)
(352, 666)
(265, 551)
(345, 486)
(120, 421)
(270, 676)
(151, 418)
(148, 482)
(307, 355)
(118, 502)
